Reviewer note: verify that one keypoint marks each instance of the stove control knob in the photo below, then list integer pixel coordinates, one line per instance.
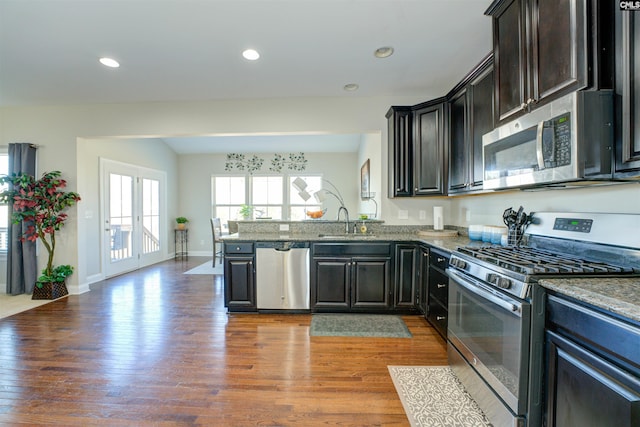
(492, 278)
(503, 283)
(456, 262)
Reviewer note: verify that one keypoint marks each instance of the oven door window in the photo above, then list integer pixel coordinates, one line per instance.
(493, 330)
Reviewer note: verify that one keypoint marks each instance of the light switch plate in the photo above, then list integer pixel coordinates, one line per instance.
(422, 214)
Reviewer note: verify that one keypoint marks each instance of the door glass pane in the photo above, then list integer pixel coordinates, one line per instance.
(150, 215)
(120, 218)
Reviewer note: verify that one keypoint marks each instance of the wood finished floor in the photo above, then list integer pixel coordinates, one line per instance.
(156, 347)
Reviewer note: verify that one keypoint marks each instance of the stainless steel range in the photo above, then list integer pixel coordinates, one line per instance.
(496, 309)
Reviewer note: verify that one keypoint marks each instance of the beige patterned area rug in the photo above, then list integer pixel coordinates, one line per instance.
(433, 397)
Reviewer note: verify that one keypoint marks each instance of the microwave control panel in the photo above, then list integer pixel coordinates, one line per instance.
(556, 141)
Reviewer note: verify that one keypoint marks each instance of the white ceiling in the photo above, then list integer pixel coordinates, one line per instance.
(190, 50)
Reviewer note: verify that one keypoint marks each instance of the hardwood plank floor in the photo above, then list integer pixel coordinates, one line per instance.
(156, 347)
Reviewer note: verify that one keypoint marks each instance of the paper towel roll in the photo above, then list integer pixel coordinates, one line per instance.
(438, 218)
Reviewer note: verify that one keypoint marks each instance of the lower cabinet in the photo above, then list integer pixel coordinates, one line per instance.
(438, 292)
(351, 277)
(406, 267)
(423, 279)
(239, 277)
(592, 367)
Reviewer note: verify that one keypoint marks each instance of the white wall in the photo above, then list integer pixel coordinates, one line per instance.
(195, 202)
(57, 128)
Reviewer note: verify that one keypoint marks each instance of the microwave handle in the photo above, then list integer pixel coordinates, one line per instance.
(539, 153)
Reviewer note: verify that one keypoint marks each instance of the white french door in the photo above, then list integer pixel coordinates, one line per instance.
(133, 216)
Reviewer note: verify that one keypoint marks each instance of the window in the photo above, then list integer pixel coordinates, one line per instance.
(229, 194)
(272, 196)
(4, 209)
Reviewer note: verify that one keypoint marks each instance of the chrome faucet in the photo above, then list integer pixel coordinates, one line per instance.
(346, 218)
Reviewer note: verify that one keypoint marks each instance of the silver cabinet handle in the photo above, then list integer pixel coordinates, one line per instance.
(440, 285)
(441, 259)
(441, 317)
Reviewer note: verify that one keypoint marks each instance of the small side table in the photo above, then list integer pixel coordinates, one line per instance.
(181, 241)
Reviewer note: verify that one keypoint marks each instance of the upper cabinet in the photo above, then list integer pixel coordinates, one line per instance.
(540, 52)
(400, 151)
(429, 149)
(471, 115)
(417, 149)
(628, 94)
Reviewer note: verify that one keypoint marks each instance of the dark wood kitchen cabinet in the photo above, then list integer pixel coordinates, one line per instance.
(416, 149)
(406, 262)
(540, 52)
(429, 170)
(351, 277)
(471, 115)
(592, 367)
(423, 279)
(239, 277)
(627, 25)
(438, 295)
(400, 152)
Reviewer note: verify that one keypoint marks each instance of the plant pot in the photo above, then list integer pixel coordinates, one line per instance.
(51, 290)
(182, 226)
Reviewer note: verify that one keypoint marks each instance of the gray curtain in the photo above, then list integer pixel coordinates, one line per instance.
(22, 266)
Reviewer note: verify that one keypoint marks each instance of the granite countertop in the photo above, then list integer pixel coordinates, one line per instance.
(617, 295)
(449, 244)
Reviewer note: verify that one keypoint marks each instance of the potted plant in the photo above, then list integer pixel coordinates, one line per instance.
(41, 203)
(246, 211)
(182, 222)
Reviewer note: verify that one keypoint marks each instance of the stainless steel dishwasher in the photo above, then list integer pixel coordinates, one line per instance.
(282, 275)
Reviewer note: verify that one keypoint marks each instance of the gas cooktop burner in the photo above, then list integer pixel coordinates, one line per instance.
(531, 261)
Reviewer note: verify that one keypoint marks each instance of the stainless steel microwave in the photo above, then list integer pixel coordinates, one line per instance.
(567, 140)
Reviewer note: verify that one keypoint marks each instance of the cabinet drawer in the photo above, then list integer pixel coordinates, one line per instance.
(438, 317)
(602, 333)
(439, 286)
(238, 248)
(438, 259)
(351, 249)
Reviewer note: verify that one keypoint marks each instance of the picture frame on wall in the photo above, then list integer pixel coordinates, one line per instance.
(365, 189)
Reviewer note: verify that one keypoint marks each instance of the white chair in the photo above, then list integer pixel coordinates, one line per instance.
(216, 232)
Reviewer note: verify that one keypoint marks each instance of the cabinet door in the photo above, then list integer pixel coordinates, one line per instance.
(428, 154)
(239, 284)
(510, 59)
(558, 55)
(423, 279)
(400, 152)
(584, 390)
(331, 277)
(406, 268)
(628, 91)
(371, 283)
(481, 122)
(458, 141)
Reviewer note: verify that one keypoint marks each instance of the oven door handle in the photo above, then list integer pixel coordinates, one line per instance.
(478, 289)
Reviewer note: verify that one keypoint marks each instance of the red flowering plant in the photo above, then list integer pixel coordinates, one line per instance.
(40, 203)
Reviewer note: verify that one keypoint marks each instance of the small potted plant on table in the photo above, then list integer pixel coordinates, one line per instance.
(182, 222)
(40, 204)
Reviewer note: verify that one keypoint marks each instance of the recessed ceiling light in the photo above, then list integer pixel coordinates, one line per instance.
(109, 62)
(351, 87)
(383, 52)
(251, 54)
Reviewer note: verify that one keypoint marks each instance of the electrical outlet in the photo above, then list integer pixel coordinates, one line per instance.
(422, 214)
(403, 214)
(284, 227)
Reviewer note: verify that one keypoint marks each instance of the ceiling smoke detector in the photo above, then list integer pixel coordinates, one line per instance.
(351, 87)
(383, 52)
